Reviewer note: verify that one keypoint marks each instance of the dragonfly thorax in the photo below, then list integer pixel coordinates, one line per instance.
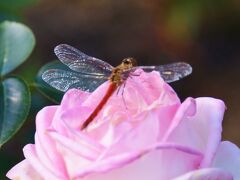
(116, 76)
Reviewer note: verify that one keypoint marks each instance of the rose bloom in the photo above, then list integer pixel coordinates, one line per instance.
(144, 133)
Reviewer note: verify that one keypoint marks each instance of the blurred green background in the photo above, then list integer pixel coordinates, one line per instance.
(204, 33)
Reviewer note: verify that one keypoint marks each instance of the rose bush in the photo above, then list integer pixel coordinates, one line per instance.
(152, 136)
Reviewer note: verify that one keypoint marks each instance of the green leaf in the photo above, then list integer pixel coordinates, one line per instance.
(48, 91)
(14, 107)
(16, 44)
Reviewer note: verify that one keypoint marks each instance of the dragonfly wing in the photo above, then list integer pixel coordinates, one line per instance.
(175, 71)
(63, 80)
(169, 72)
(80, 62)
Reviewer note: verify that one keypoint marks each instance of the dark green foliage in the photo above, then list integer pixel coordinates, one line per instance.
(16, 44)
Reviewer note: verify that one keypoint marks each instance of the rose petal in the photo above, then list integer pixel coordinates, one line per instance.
(83, 149)
(228, 158)
(31, 156)
(209, 173)
(139, 136)
(201, 131)
(23, 171)
(47, 147)
(71, 99)
(74, 117)
(185, 110)
(151, 87)
(43, 156)
(153, 162)
(77, 135)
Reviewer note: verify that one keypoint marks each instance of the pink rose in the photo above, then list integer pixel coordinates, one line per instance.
(152, 136)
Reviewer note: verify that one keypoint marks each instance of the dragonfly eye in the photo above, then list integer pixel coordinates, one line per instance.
(129, 61)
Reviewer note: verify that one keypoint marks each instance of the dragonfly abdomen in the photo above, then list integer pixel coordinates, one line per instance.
(112, 87)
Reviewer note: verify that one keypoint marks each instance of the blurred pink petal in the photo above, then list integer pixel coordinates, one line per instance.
(23, 171)
(228, 158)
(209, 174)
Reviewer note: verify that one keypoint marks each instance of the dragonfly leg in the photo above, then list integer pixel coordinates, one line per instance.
(122, 93)
(124, 85)
(119, 85)
(118, 89)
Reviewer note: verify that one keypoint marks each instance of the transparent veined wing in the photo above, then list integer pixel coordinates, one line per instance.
(63, 80)
(169, 72)
(80, 62)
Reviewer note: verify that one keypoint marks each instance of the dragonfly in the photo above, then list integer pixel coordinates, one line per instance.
(87, 73)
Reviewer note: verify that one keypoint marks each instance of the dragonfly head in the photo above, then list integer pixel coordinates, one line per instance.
(129, 62)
